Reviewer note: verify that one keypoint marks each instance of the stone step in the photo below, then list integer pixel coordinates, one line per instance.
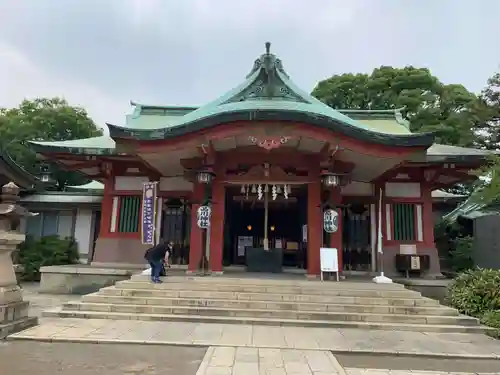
(267, 313)
(262, 305)
(259, 280)
(277, 289)
(415, 300)
(58, 312)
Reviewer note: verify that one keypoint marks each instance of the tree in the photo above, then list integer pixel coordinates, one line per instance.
(486, 112)
(488, 115)
(44, 119)
(428, 104)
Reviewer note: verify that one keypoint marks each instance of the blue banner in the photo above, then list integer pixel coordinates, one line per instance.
(148, 213)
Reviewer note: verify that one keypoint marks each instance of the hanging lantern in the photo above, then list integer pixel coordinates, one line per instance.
(330, 179)
(205, 176)
(243, 189)
(254, 189)
(278, 189)
(45, 174)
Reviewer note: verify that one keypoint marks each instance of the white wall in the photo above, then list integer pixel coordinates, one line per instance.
(402, 189)
(65, 224)
(83, 231)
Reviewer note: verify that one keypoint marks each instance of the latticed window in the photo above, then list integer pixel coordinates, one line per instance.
(128, 217)
(403, 219)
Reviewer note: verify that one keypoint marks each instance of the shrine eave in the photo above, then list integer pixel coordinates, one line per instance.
(273, 111)
(95, 146)
(18, 174)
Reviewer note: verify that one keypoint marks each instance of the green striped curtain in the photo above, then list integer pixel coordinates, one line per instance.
(130, 210)
(404, 221)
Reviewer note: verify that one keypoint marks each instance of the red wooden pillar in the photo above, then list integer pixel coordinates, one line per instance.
(427, 216)
(314, 223)
(336, 238)
(107, 207)
(196, 238)
(217, 226)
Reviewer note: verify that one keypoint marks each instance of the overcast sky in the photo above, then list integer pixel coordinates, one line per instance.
(100, 54)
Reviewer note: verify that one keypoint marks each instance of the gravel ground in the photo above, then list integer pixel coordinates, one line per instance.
(396, 362)
(27, 358)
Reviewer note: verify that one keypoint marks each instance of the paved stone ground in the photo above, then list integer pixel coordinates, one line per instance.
(359, 351)
(27, 358)
(336, 340)
(40, 302)
(257, 361)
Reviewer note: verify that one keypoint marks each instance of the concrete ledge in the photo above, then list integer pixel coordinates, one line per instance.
(77, 279)
(431, 288)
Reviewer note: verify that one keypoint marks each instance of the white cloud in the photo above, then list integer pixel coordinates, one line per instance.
(191, 16)
(21, 79)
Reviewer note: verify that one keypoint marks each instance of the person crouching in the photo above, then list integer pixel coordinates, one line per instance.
(156, 257)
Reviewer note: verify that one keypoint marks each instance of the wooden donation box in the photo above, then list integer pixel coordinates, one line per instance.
(408, 261)
(260, 260)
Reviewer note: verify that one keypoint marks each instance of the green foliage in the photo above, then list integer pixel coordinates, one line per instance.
(488, 114)
(488, 189)
(475, 292)
(43, 120)
(47, 251)
(429, 105)
(462, 254)
(492, 319)
(455, 246)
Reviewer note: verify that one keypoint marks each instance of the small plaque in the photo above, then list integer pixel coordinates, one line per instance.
(415, 263)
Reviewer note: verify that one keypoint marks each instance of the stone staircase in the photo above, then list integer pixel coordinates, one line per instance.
(278, 302)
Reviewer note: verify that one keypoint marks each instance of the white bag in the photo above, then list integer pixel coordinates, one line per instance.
(147, 271)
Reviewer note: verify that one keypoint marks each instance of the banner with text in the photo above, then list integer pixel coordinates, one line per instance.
(148, 213)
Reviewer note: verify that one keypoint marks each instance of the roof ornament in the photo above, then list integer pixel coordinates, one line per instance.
(268, 47)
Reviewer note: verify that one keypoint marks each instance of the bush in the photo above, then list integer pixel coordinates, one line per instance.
(455, 246)
(492, 319)
(47, 251)
(475, 292)
(461, 257)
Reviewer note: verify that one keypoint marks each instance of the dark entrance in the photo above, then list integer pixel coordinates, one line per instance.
(356, 237)
(244, 226)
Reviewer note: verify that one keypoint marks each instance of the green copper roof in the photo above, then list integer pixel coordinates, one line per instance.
(267, 94)
(102, 145)
(18, 174)
(92, 185)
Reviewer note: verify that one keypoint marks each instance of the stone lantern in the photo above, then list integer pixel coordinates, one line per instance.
(13, 310)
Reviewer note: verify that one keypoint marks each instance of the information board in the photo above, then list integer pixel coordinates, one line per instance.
(329, 261)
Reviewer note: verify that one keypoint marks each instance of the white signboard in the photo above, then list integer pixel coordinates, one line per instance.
(203, 216)
(331, 221)
(329, 260)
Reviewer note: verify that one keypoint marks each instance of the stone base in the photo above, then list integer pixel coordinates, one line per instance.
(8, 295)
(14, 317)
(17, 326)
(310, 276)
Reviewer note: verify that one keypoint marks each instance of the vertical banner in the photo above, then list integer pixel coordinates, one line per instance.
(148, 213)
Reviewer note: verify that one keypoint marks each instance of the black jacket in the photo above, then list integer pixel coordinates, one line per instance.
(156, 253)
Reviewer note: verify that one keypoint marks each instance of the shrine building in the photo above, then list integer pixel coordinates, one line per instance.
(268, 159)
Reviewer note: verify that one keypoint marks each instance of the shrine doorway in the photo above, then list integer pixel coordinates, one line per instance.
(357, 237)
(244, 225)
